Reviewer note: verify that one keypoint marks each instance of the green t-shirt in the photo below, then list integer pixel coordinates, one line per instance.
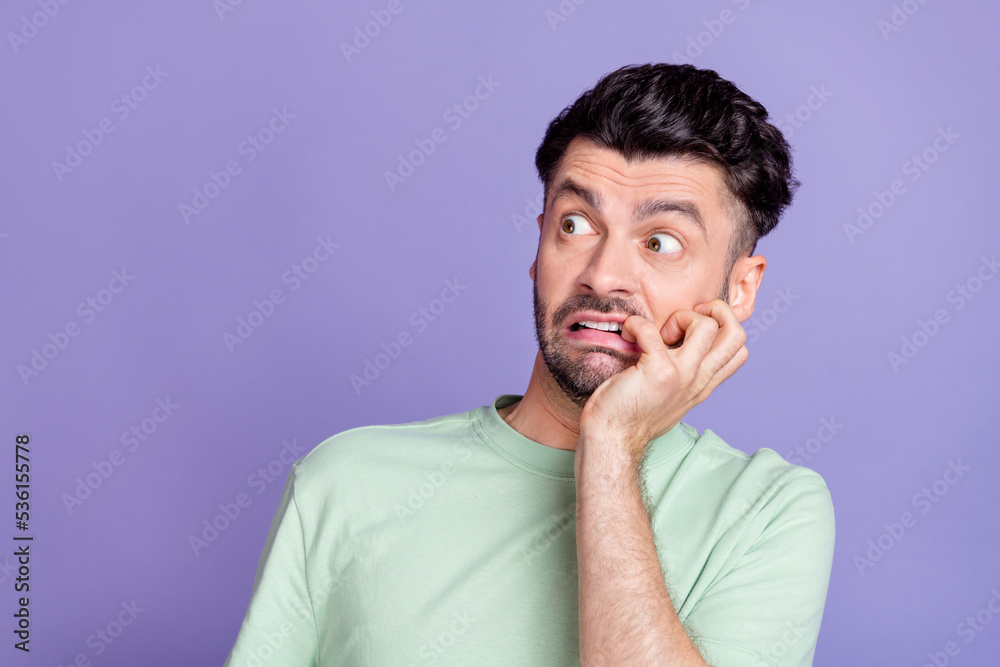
(452, 541)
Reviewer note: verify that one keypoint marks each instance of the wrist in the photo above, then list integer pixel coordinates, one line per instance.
(610, 454)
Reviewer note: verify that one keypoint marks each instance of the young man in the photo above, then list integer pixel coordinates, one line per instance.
(583, 522)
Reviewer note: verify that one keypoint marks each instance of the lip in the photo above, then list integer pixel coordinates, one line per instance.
(597, 337)
(591, 316)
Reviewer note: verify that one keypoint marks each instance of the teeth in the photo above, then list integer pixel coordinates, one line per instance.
(603, 326)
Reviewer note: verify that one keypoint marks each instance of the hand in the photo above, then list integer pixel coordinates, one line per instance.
(646, 400)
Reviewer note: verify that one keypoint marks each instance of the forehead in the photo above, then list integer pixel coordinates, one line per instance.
(616, 180)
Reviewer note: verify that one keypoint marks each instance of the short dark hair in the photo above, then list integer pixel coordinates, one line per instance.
(664, 110)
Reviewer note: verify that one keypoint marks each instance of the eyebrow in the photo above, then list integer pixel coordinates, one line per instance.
(645, 210)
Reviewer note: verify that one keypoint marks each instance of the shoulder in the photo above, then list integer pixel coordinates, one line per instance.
(764, 467)
(386, 446)
(776, 495)
(750, 490)
(763, 538)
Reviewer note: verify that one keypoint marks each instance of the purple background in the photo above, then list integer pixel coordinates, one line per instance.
(461, 216)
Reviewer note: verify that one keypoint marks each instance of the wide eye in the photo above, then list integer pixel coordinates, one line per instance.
(663, 243)
(573, 224)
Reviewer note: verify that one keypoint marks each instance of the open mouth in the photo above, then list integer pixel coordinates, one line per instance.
(605, 334)
(610, 327)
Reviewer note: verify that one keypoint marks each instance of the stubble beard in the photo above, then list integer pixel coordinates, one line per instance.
(580, 379)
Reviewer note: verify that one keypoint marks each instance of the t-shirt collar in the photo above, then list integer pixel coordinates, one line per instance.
(552, 462)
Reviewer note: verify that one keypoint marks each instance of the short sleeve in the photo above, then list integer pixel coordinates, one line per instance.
(279, 629)
(766, 610)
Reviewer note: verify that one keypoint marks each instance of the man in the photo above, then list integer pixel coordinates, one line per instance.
(582, 523)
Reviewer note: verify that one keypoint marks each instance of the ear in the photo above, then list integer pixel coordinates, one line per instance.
(531, 271)
(748, 272)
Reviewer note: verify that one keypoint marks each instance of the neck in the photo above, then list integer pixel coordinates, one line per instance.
(545, 414)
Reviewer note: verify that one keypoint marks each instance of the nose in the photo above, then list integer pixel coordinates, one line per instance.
(611, 269)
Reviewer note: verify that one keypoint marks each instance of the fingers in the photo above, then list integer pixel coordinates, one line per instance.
(713, 347)
(671, 332)
(700, 334)
(725, 372)
(639, 329)
(731, 335)
(713, 342)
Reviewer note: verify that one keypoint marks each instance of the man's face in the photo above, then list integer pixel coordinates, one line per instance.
(620, 239)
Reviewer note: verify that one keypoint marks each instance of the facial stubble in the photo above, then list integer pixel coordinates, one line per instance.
(579, 379)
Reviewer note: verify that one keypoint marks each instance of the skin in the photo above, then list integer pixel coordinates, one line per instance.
(606, 404)
(610, 265)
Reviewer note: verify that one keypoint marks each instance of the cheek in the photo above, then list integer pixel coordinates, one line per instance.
(551, 268)
(666, 303)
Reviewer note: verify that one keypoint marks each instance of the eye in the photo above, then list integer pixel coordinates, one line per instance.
(663, 243)
(571, 226)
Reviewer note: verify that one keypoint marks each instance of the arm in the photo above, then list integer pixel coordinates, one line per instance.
(279, 628)
(626, 615)
(765, 609)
